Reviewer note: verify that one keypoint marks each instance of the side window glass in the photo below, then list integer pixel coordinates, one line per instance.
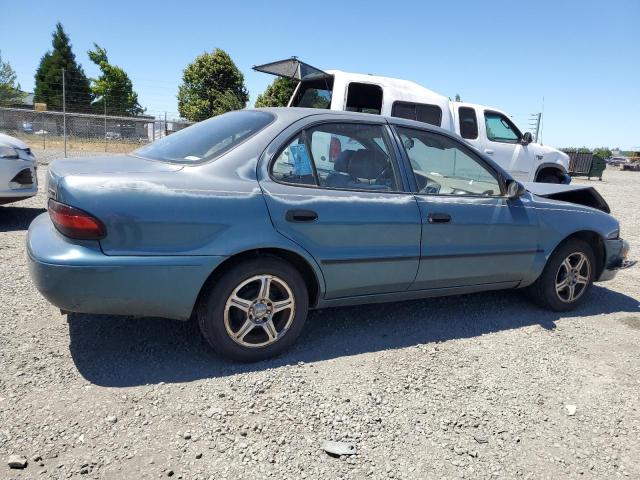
(353, 156)
(364, 97)
(468, 123)
(500, 128)
(293, 164)
(442, 166)
(431, 114)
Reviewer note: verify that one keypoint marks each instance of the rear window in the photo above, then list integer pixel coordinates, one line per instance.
(314, 93)
(208, 139)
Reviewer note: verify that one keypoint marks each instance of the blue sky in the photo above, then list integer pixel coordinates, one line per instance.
(582, 56)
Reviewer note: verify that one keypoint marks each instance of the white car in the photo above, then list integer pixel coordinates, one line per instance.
(18, 170)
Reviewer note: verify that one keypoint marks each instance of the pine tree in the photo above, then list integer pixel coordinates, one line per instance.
(48, 87)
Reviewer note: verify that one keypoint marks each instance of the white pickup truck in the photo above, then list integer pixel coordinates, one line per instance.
(486, 128)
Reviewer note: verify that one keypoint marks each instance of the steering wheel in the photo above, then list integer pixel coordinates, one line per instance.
(382, 175)
(431, 186)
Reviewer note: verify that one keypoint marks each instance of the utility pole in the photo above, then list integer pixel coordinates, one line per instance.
(64, 114)
(534, 124)
(541, 119)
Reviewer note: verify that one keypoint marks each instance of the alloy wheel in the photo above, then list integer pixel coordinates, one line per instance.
(573, 276)
(259, 311)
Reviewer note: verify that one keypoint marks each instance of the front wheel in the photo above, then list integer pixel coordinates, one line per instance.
(566, 278)
(550, 177)
(254, 311)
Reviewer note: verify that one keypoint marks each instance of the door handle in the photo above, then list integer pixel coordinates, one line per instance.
(488, 151)
(439, 218)
(301, 216)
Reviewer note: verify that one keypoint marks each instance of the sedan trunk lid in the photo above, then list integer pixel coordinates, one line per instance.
(110, 164)
(103, 166)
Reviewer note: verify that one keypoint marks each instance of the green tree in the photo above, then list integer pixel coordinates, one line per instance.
(10, 93)
(602, 152)
(113, 87)
(458, 99)
(277, 94)
(211, 85)
(48, 87)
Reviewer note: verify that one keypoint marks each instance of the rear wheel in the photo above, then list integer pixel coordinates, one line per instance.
(566, 278)
(255, 310)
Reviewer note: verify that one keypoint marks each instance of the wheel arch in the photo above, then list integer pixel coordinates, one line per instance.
(549, 167)
(595, 240)
(312, 278)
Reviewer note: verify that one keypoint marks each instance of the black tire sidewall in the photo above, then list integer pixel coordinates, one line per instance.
(211, 308)
(548, 277)
(549, 178)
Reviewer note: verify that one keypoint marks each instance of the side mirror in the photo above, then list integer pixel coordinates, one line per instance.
(527, 138)
(515, 189)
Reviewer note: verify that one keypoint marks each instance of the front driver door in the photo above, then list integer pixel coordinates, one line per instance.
(503, 145)
(348, 209)
(472, 236)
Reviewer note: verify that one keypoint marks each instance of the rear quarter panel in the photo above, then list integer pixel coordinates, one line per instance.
(195, 210)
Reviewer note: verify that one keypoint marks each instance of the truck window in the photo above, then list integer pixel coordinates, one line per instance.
(314, 93)
(468, 123)
(421, 112)
(500, 128)
(364, 97)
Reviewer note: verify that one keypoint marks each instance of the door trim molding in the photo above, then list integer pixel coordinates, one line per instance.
(482, 254)
(333, 261)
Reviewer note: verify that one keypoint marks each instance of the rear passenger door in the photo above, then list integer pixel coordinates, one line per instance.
(351, 210)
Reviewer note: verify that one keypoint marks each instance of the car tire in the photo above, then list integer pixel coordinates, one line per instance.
(566, 278)
(549, 177)
(244, 314)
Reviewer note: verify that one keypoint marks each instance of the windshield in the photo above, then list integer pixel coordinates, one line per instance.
(208, 139)
(314, 93)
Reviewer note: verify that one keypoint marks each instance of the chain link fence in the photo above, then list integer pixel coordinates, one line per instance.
(83, 132)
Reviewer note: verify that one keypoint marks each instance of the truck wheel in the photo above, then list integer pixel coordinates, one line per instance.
(566, 278)
(254, 311)
(549, 177)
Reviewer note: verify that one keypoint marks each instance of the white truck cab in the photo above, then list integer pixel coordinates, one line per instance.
(486, 128)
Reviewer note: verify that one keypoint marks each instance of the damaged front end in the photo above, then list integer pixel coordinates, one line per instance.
(578, 194)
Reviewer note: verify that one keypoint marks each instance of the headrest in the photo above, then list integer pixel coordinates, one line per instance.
(342, 162)
(367, 164)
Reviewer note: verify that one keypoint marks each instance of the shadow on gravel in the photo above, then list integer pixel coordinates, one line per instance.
(17, 218)
(120, 352)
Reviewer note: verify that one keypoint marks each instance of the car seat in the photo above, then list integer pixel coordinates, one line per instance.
(340, 178)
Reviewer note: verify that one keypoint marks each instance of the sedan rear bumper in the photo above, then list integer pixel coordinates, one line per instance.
(76, 276)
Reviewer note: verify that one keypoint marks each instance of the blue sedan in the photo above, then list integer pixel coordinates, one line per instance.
(247, 220)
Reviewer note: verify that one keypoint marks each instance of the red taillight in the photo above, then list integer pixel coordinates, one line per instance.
(75, 223)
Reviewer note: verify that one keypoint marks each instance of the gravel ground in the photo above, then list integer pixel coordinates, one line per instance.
(482, 386)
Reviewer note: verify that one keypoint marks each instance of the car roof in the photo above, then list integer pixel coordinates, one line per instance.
(291, 114)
